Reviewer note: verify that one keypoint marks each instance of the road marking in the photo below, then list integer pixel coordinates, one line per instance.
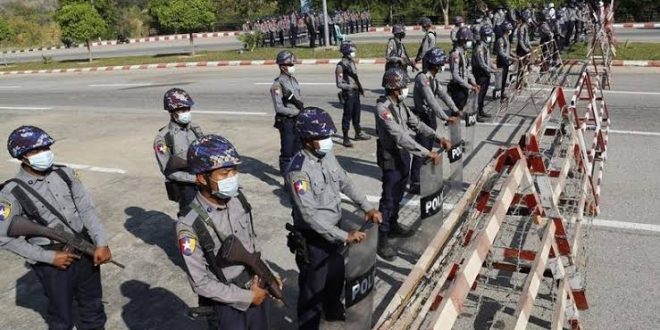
(10, 87)
(84, 167)
(231, 113)
(626, 225)
(635, 133)
(121, 85)
(302, 83)
(26, 108)
(631, 92)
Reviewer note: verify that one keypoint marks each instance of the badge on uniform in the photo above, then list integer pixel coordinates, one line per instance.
(161, 148)
(301, 186)
(386, 115)
(5, 210)
(187, 243)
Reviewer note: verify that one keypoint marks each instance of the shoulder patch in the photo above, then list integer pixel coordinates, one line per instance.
(160, 147)
(5, 209)
(386, 115)
(300, 186)
(187, 242)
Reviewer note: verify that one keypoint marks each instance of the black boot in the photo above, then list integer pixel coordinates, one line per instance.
(414, 189)
(361, 136)
(347, 142)
(482, 116)
(396, 230)
(385, 250)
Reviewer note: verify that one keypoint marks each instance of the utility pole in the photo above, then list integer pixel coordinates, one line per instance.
(325, 22)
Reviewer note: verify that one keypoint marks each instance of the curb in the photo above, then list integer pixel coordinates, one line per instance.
(618, 63)
(237, 33)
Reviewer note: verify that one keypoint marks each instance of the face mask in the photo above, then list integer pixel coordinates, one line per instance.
(41, 161)
(227, 188)
(325, 146)
(352, 54)
(468, 44)
(291, 69)
(404, 94)
(184, 117)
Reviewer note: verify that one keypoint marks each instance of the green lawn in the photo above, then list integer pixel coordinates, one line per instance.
(631, 51)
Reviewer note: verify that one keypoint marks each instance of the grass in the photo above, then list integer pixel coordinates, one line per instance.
(625, 51)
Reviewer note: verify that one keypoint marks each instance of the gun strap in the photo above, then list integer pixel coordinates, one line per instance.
(248, 208)
(207, 245)
(350, 73)
(169, 139)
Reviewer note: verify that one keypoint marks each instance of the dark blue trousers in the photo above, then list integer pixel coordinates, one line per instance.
(426, 142)
(394, 186)
(80, 282)
(289, 141)
(227, 317)
(320, 282)
(351, 112)
(458, 94)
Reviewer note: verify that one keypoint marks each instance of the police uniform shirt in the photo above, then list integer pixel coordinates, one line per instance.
(230, 219)
(426, 89)
(397, 127)
(315, 185)
(458, 66)
(503, 50)
(283, 85)
(523, 37)
(546, 31)
(344, 81)
(74, 204)
(396, 51)
(181, 138)
(428, 42)
(481, 60)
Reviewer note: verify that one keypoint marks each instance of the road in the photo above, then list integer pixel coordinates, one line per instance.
(229, 43)
(105, 123)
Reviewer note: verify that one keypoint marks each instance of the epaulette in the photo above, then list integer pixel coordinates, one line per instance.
(297, 162)
(384, 99)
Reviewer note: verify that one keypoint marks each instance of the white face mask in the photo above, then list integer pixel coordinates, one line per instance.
(184, 117)
(41, 161)
(325, 146)
(227, 188)
(404, 94)
(352, 54)
(291, 69)
(489, 39)
(468, 44)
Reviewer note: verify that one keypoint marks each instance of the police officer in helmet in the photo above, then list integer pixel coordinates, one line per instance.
(482, 68)
(285, 92)
(53, 196)
(428, 41)
(348, 81)
(171, 146)
(220, 209)
(315, 181)
(397, 127)
(462, 80)
(395, 53)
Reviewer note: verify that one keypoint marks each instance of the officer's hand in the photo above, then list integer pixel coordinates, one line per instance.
(102, 255)
(374, 216)
(355, 236)
(258, 294)
(280, 282)
(64, 259)
(453, 120)
(444, 143)
(475, 88)
(435, 157)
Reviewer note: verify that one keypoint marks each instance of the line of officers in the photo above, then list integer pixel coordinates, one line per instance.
(201, 172)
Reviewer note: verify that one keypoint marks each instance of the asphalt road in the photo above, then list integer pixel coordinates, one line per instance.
(107, 122)
(229, 43)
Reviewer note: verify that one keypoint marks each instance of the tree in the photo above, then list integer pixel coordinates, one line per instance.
(108, 9)
(6, 32)
(187, 16)
(81, 23)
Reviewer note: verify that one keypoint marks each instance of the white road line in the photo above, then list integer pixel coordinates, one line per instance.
(635, 133)
(26, 108)
(10, 87)
(626, 225)
(231, 113)
(120, 85)
(631, 92)
(84, 167)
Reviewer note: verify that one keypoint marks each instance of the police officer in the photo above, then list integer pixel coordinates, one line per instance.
(482, 68)
(395, 53)
(315, 180)
(462, 79)
(504, 58)
(171, 146)
(524, 46)
(547, 48)
(397, 126)
(219, 210)
(285, 92)
(459, 23)
(428, 41)
(351, 89)
(427, 108)
(52, 196)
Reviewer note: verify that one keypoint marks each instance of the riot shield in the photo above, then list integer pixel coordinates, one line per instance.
(470, 117)
(455, 155)
(360, 272)
(432, 186)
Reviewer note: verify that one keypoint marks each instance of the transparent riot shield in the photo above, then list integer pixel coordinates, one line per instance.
(470, 117)
(432, 186)
(455, 155)
(360, 272)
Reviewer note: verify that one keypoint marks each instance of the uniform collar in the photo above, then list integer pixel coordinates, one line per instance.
(176, 127)
(312, 156)
(30, 178)
(209, 206)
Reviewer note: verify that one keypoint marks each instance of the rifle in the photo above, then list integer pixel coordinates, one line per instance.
(289, 98)
(174, 164)
(352, 74)
(21, 226)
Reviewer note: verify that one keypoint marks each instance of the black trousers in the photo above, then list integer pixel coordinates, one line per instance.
(505, 78)
(394, 186)
(351, 112)
(312, 38)
(81, 282)
(320, 282)
(427, 142)
(187, 193)
(289, 140)
(293, 35)
(227, 317)
(570, 26)
(458, 93)
(483, 80)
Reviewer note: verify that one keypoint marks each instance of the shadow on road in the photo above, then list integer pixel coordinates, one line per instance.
(30, 294)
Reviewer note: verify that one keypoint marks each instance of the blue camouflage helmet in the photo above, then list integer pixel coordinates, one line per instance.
(458, 20)
(395, 78)
(347, 47)
(177, 98)
(425, 22)
(398, 28)
(506, 26)
(464, 34)
(486, 31)
(286, 57)
(315, 122)
(27, 138)
(211, 152)
(435, 56)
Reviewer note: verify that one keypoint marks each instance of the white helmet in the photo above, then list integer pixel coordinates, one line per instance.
(551, 5)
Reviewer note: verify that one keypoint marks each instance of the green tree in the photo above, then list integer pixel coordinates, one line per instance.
(6, 32)
(81, 23)
(186, 16)
(108, 9)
